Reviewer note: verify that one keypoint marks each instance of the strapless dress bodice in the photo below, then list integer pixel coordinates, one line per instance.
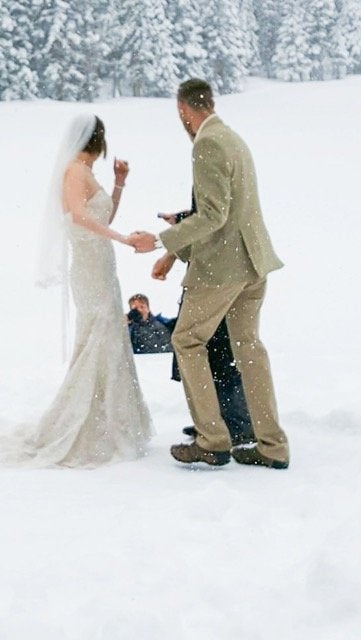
(99, 208)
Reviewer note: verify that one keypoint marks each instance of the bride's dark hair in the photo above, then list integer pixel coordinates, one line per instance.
(97, 143)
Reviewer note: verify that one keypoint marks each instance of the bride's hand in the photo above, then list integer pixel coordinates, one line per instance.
(121, 169)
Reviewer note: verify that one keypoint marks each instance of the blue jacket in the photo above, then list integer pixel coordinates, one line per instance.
(152, 335)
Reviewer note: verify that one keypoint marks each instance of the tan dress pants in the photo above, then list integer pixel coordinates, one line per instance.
(202, 310)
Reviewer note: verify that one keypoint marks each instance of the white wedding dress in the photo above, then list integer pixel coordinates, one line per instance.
(99, 415)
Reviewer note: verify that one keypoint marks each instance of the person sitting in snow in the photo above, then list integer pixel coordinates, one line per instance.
(148, 333)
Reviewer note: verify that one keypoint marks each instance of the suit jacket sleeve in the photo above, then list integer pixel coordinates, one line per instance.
(211, 177)
(184, 254)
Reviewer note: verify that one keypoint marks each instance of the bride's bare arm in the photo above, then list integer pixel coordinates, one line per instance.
(121, 171)
(76, 193)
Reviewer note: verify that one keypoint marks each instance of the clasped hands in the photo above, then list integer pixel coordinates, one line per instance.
(142, 241)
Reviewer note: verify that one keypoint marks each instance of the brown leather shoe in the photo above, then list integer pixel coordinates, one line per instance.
(189, 453)
(253, 456)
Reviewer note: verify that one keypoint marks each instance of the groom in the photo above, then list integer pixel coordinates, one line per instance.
(230, 255)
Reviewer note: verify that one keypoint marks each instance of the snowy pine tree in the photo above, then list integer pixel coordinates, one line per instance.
(350, 32)
(249, 44)
(91, 44)
(268, 15)
(222, 42)
(48, 20)
(61, 77)
(146, 59)
(66, 49)
(18, 81)
(6, 27)
(70, 51)
(186, 38)
(111, 35)
(325, 47)
(291, 60)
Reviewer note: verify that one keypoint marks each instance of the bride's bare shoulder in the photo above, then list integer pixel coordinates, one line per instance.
(76, 171)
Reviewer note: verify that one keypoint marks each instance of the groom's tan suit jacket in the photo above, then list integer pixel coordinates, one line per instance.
(226, 241)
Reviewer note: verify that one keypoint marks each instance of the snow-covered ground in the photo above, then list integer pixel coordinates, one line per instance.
(149, 550)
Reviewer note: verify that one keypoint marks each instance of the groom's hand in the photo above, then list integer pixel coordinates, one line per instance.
(142, 241)
(162, 267)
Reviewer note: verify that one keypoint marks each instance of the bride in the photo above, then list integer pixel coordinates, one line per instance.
(99, 415)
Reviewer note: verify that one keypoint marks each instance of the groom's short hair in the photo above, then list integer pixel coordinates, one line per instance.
(197, 94)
